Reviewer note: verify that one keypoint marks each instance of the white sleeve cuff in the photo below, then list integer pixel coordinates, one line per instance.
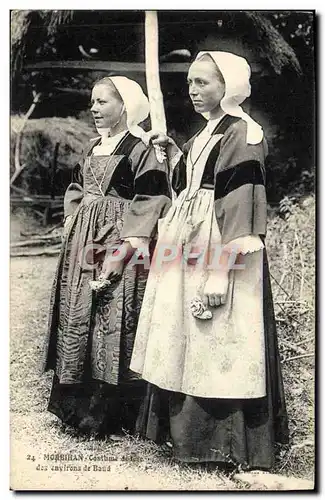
(138, 242)
(245, 244)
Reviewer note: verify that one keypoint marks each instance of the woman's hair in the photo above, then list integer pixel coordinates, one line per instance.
(207, 57)
(108, 82)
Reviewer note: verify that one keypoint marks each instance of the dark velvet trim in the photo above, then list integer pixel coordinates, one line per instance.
(124, 147)
(248, 172)
(127, 144)
(220, 128)
(152, 183)
(224, 124)
(123, 179)
(179, 177)
(208, 174)
(209, 169)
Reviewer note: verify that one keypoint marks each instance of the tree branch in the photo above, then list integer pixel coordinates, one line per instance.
(19, 168)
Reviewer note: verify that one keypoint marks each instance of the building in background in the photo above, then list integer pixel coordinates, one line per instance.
(61, 53)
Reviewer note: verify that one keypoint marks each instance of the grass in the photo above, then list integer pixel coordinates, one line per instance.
(135, 464)
(291, 249)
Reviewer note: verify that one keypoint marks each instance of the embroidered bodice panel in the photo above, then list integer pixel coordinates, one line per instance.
(98, 165)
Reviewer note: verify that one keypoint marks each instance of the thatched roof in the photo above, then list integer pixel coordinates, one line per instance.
(21, 21)
(269, 42)
(272, 44)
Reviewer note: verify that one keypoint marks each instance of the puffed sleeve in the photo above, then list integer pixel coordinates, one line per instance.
(74, 192)
(239, 191)
(152, 197)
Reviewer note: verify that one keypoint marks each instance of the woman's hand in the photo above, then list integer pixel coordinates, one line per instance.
(158, 138)
(215, 289)
(113, 267)
(112, 270)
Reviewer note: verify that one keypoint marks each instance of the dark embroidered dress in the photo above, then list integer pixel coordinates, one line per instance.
(215, 386)
(90, 337)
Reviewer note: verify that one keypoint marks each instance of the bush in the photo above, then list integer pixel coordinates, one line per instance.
(290, 171)
(291, 250)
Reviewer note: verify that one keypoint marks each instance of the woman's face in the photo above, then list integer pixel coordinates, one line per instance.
(106, 106)
(206, 89)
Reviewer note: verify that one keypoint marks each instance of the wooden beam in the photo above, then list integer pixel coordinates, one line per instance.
(107, 66)
(120, 67)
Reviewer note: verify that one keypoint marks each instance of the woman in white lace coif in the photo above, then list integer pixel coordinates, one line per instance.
(206, 338)
(118, 192)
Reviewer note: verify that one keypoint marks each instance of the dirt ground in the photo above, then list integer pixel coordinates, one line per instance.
(35, 433)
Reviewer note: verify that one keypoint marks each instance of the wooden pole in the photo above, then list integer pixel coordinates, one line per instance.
(157, 112)
(53, 166)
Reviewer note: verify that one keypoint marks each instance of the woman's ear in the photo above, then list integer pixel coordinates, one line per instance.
(207, 57)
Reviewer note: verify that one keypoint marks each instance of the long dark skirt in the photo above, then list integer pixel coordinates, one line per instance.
(90, 336)
(98, 408)
(235, 432)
